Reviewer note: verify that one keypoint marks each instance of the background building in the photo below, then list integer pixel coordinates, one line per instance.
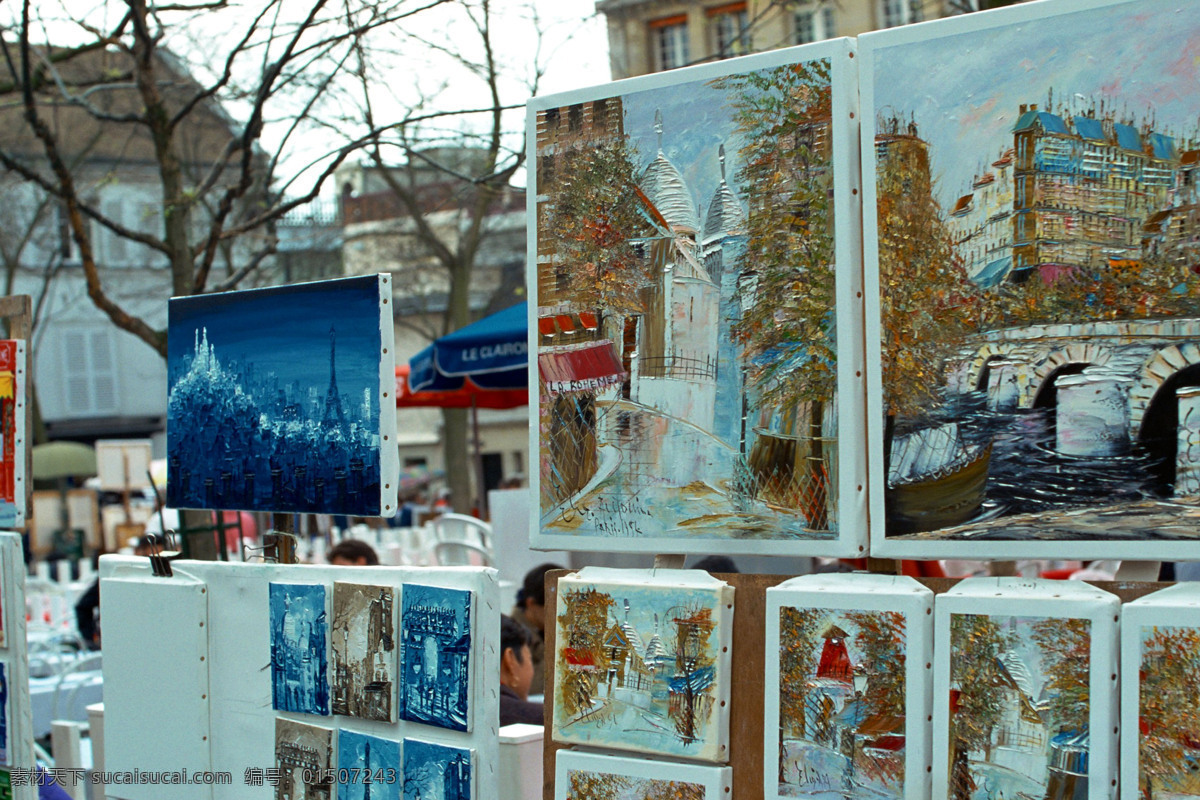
(652, 35)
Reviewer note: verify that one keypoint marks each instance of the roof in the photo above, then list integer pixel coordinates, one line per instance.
(1128, 137)
(668, 192)
(1051, 123)
(726, 217)
(1090, 128)
(1162, 146)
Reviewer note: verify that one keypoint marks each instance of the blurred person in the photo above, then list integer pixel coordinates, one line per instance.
(352, 553)
(530, 611)
(87, 607)
(516, 675)
(713, 564)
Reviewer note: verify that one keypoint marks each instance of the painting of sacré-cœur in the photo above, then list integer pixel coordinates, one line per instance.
(276, 400)
(1034, 224)
(303, 758)
(842, 703)
(436, 770)
(642, 667)
(689, 319)
(1019, 706)
(435, 624)
(299, 643)
(364, 651)
(368, 767)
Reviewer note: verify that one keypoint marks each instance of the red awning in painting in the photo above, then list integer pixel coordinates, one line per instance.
(835, 661)
(581, 368)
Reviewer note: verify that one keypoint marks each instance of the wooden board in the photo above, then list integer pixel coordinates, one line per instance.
(749, 665)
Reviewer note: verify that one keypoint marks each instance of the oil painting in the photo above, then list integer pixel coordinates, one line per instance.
(1160, 695)
(694, 263)
(1033, 283)
(12, 434)
(591, 776)
(437, 770)
(364, 651)
(368, 767)
(5, 724)
(299, 643)
(302, 756)
(642, 662)
(279, 399)
(849, 686)
(1025, 697)
(435, 626)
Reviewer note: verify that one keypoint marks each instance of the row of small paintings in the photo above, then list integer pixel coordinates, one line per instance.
(980, 343)
(995, 688)
(366, 766)
(418, 670)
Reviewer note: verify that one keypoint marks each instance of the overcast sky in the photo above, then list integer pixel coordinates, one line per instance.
(965, 90)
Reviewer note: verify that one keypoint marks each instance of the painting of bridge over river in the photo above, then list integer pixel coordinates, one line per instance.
(1032, 249)
(690, 318)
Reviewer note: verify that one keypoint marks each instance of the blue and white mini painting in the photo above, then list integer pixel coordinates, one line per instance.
(299, 643)
(4, 759)
(435, 770)
(436, 645)
(278, 399)
(368, 767)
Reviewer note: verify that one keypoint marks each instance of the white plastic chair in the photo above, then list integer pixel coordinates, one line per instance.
(461, 554)
(463, 528)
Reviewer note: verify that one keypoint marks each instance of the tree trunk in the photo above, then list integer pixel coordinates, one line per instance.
(458, 462)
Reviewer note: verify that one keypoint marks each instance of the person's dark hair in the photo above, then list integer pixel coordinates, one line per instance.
(534, 585)
(513, 634)
(716, 564)
(352, 550)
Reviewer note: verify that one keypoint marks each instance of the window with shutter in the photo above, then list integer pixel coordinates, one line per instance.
(89, 363)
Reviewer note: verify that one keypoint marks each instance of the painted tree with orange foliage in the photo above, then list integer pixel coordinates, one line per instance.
(799, 649)
(1169, 683)
(581, 629)
(927, 303)
(1066, 649)
(881, 642)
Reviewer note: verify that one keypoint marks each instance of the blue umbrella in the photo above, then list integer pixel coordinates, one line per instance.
(492, 352)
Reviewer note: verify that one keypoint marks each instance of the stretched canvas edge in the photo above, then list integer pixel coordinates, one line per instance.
(850, 539)
(907, 596)
(389, 453)
(20, 442)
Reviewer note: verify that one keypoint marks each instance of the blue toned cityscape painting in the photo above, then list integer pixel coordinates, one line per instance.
(435, 770)
(436, 647)
(368, 767)
(274, 400)
(299, 641)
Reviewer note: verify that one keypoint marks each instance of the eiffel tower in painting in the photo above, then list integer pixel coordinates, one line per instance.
(334, 415)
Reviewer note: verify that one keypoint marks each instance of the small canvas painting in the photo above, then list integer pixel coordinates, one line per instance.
(591, 776)
(1019, 706)
(643, 665)
(279, 399)
(696, 246)
(299, 643)
(842, 699)
(435, 626)
(437, 771)
(12, 433)
(1030, 196)
(368, 767)
(364, 651)
(302, 756)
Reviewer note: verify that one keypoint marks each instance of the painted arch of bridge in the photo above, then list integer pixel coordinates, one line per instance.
(1156, 371)
(1085, 353)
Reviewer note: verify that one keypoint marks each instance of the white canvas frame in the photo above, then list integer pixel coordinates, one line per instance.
(851, 534)
(229, 701)
(716, 749)
(859, 593)
(717, 781)
(14, 652)
(872, 48)
(1176, 607)
(1016, 597)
